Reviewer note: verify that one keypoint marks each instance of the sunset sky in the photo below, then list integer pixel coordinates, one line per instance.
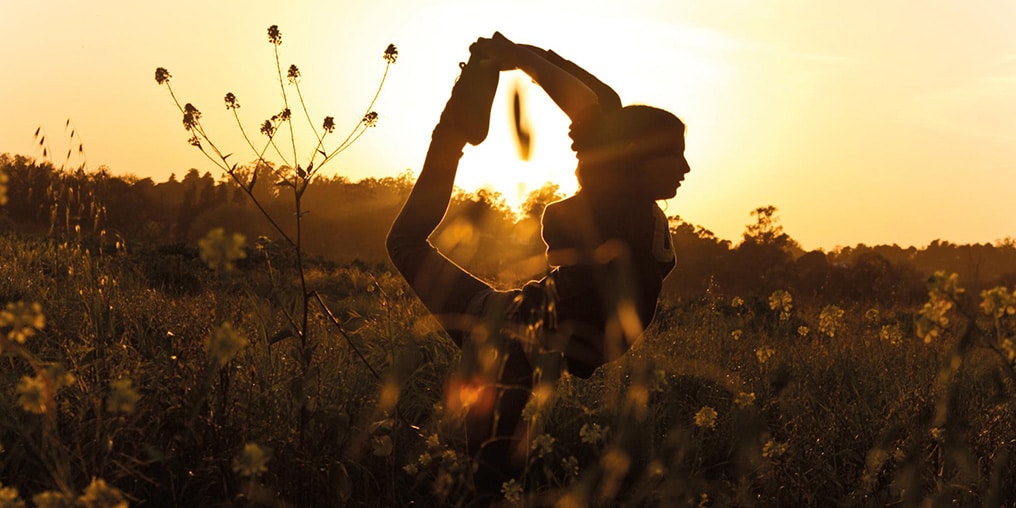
(871, 121)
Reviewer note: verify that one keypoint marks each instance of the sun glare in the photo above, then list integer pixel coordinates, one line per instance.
(497, 165)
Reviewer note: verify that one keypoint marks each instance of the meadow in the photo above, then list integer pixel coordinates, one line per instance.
(207, 343)
(145, 376)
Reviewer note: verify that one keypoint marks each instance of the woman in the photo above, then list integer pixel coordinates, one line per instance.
(609, 246)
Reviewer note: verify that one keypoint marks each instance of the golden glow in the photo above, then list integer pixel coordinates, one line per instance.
(855, 120)
(496, 164)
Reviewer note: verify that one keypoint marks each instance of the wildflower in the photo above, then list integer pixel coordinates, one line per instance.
(285, 115)
(162, 75)
(224, 344)
(543, 445)
(252, 461)
(706, 417)
(274, 35)
(764, 354)
(937, 433)
(391, 54)
(891, 334)
(450, 459)
(36, 393)
(23, 319)
(100, 495)
(933, 317)
(370, 119)
(267, 128)
(570, 465)
(945, 285)
(122, 397)
(830, 320)
(736, 302)
(411, 469)
(772, 449)
(997, 302)
(433, 441)
(736, 334)
(293, 73)
(592, 434)
(424, 458)
(219, 251)
(9, 498)
(329, 124)
(191, 115)
(231, 102)
(744, 399)
(512, 491)
(803, 331)
(53, 499)
(783, 302)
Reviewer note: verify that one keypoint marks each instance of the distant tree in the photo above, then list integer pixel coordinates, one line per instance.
(539, 199)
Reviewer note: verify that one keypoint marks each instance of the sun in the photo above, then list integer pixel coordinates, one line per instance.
(497, 164)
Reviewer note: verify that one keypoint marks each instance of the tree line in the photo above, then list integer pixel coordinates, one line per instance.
(347, 221)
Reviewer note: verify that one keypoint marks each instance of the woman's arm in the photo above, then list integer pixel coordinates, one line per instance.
(569, 92)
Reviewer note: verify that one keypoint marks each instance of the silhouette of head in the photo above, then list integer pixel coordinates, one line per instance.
(638, 152)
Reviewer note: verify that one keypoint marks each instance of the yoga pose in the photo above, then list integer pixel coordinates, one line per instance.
(608, 246)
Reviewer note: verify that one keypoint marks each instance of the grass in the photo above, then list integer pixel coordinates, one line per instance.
(862, 418)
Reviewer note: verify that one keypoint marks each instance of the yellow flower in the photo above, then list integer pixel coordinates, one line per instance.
(782, 301)
(543, 445)
(570, 465)
(122, 397)
(706, 417)
(772, 449)
(224, 344)
(219, 251)
(100, 495)
(252, 461)
(802, 331)
(830, 320)
(9, 498)
(736, 302)
(891, 334)
(53, 499)
(512, 491)
(592, 434)
(23, 319)
(764, 354)
(36, 393)
(736, 334)
(744, 399)
(998, 302)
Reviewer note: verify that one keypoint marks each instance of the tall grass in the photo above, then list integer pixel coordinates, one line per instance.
(722, 402)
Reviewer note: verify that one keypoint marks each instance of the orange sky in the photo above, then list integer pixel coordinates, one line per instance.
(863, 122)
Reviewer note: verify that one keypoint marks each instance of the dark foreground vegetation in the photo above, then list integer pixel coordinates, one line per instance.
(161, 366)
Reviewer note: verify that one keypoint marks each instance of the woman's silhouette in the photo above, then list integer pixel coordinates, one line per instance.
(609, 246)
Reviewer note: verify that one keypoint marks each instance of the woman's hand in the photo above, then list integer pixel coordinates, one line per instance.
(499, 50)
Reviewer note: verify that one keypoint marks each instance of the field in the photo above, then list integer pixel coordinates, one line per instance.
(203, 342)
(145, 376)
